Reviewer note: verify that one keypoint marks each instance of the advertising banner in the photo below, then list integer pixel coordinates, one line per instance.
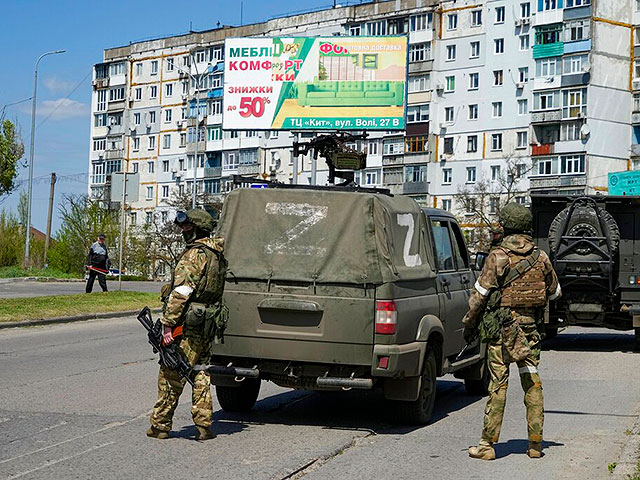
(624, 183)
(315, 83)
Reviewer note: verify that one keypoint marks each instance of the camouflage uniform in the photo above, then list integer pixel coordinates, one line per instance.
(189, 278)
(525, 298)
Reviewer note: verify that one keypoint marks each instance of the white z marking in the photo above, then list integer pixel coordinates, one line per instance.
(406, 220)
(311, 214)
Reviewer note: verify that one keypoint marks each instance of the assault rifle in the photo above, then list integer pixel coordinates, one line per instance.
(170, 357)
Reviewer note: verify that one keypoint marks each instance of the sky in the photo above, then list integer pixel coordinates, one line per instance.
(84, 29)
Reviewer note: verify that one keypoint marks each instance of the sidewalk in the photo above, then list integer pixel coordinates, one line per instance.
(74, 318)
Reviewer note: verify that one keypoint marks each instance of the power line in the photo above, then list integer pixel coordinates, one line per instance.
(65, 98)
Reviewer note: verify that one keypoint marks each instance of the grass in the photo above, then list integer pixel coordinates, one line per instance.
(14, 272)
(36, 308)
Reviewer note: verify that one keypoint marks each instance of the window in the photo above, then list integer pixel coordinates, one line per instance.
(151, 142)
(115, 119)
(452, 21)
(446, 204)
(471, 174)
(215, 133)
(472, 143)
(544, 167)
(99, 144)
(524, 42)
(442, 245)
(165, 166)
(138, 93)
(470, 205)
(475, 50)
(497, 78)
(355, 30)
(183, 139)
(139, 68)
(636, 70)
(170, 65)
(450, 83)
(415, 173)
(372, 148)
(546, 35)
(522, 139)
(165, 194)
(637, 35)
(397, 26)
(496, 109)
(153, 91)
(149, 197)
(136, 143)
(186, 61)
(496, 142)
(420, 52)
(418, 113)
(117, 69)
(151, 166)
(572, 164)
(201, 56)
(546, 100)
(393, 146)
(215, 107)
(378, 27)
(570, 131)
(185, 88)
(446, 176)
(495, 172)
(499, 14)
(574, 64)
(525, 10)
(574, 103)
(371, 177)
(448, 145)
(473, 111)
(181, 165)
(523, 74)
(636, 102)
(576, 30)
(216, 54)
(230, 161)
(544, 5)
(494, 204)
(499, 45)
(167, 115)
(418, 23)
(521, 200)
(473, 81)
(134, 167)
(418, 83)
(133, 216)
(448, 114)
(476, 18)
(215, 81)
(136, 118)
(166, 141)
(152, 117)
(451, 53)
(116, 94)
(523, 106)
(548, 67)
(416, 144)
(154, 67)
(168, 89)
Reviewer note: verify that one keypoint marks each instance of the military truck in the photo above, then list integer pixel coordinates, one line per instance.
(344, 288)
(594, 245)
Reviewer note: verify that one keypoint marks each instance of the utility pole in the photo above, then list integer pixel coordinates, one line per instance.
(122, 223)
(46, 240)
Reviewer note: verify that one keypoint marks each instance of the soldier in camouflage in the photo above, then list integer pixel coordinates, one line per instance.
(521, 301)
(196, 287)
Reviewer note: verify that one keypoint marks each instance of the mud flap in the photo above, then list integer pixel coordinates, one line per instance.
(405, 389)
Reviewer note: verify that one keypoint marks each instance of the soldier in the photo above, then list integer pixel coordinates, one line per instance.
(193, 301)
(98, 262)
(506, 304)
(496, 236)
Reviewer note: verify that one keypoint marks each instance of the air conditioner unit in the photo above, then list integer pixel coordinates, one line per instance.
(184, 97)
(519, 85)
(525, 21)
(518, 22)
(174, 169)
(636, 84)
(179, 123)
(443, 125)
(581, 115)
(132, 128)
(440, 86)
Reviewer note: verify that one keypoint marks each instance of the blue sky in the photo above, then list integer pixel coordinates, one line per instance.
(85, 29)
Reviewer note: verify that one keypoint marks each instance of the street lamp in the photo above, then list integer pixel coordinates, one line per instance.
(33, 137)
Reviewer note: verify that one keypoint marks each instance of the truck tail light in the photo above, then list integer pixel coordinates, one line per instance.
(386, 318)
(633, 280)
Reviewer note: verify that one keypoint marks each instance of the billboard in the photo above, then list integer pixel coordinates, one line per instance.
(624, 183)
(315, 83)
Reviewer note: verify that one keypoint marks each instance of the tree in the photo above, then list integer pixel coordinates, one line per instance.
(11, 240)
(11, 151)
(480, 202)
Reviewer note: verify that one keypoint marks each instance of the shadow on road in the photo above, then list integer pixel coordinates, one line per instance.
(220, 428)
(519, 447)
(352, 410)
(606, 341)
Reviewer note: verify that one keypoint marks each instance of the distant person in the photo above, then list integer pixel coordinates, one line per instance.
(98, 264)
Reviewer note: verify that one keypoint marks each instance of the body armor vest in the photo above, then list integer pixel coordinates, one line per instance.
(211, 285)
(527, 290)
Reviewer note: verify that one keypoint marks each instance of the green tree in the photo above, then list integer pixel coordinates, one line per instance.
(11, 240)
(11, 151)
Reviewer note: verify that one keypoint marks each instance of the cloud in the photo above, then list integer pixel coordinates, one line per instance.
(56, 85)
(62, 108)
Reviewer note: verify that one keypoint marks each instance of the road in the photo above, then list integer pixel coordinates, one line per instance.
(39, 289)
(75, 401)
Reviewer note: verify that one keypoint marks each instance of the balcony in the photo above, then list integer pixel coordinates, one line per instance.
(546, 116)
(191, 146)
(542, 149)
(115, 106)
(419, 67)
(579, 46)
(393, 160)
(635, 118)
(213, 172)
(410, 188)
(635, 150)
(250, 169)
(556, 181)
(114, 154)
(548, 50)
(548, 17)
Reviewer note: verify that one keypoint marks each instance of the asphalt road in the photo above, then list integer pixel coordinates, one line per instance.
(75, 401)
(40, 289)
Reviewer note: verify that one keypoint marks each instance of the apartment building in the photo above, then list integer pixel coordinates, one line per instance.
(550, 87)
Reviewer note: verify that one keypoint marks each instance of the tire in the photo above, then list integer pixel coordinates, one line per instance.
(239, 399)
(418, 412)
(479, 387)
(550, 332)
(584, 221)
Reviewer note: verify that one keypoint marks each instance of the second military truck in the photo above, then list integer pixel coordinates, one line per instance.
(333, 288)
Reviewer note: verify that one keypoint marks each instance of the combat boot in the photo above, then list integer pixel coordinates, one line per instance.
(204, 433)
(483, 451)
(535, 450)
(155, 433)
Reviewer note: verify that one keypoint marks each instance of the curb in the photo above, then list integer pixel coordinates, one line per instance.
(627, 464)
(39, 279)
(75, 318)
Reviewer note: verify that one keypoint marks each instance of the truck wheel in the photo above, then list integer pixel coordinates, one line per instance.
(479, 386)
(419, 411)
(584, 222)
(239, 399)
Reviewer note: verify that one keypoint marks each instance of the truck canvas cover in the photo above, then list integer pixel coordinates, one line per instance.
(324, 236)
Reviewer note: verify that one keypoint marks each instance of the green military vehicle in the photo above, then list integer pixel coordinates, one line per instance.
(339, 288)
(594, 245)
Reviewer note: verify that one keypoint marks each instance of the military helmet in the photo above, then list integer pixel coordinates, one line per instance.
(516, 217)
(198, 218)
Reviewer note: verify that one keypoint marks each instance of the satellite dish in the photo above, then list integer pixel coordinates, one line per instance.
(585, 131)
(586, 66)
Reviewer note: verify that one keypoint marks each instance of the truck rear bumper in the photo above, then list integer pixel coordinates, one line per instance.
(403, 360)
